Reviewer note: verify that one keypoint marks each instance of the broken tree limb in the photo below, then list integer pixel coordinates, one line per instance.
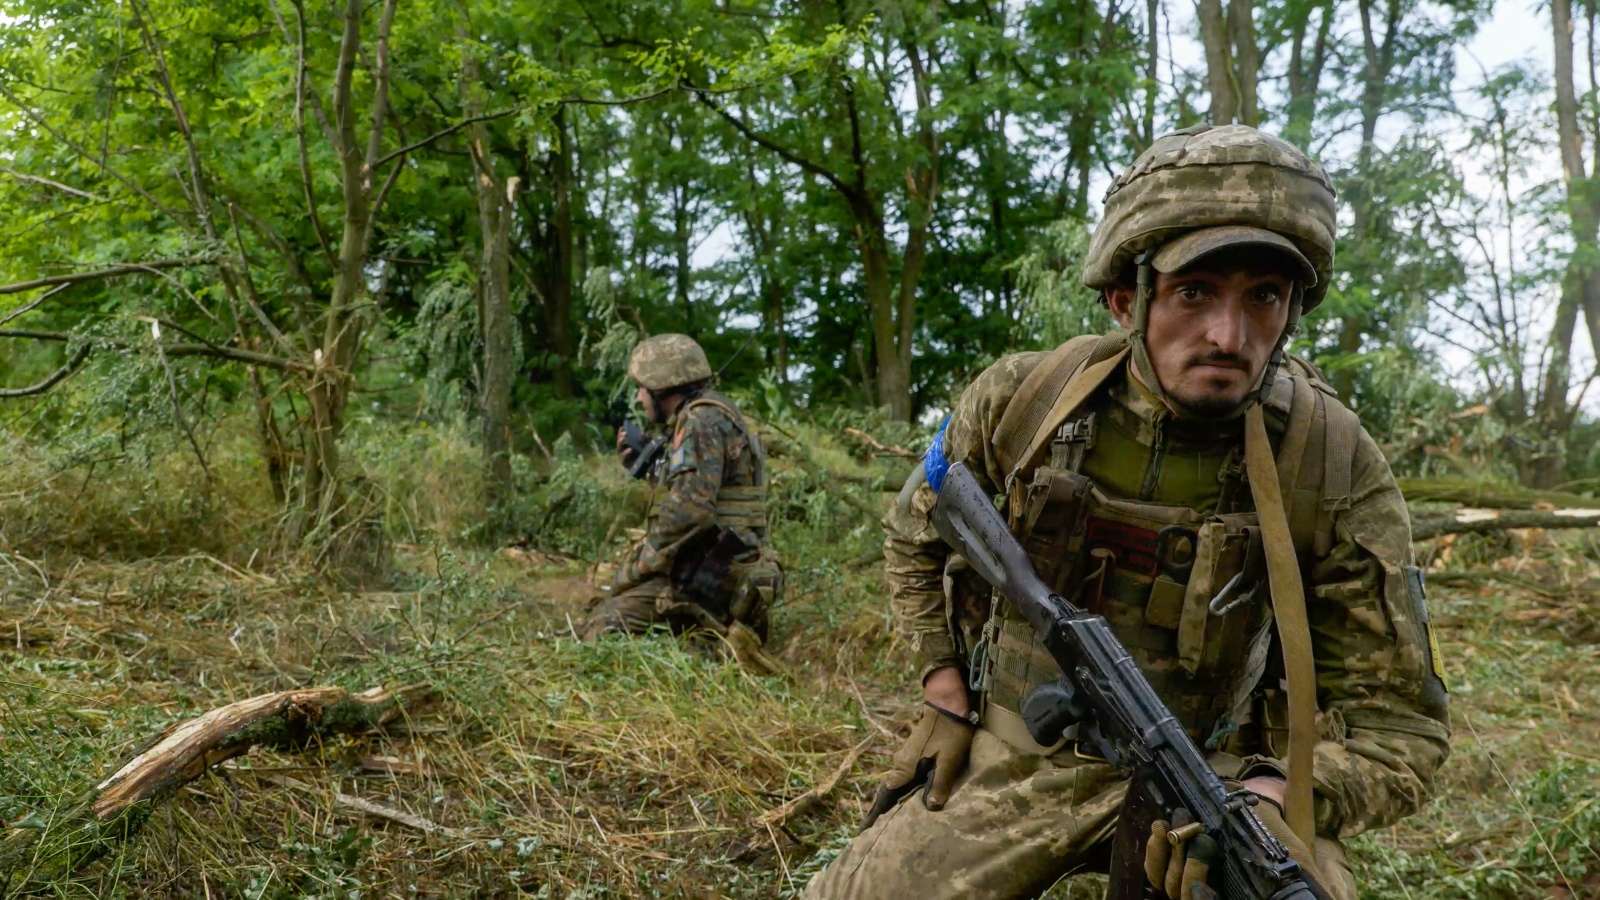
(1484, 521)
(80, 832)
(1487, 496)
(825, 477)
(365, 807)
(779, 816)
(876, 444)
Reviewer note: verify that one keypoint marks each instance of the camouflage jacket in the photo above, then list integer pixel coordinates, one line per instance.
(709, 450)
(1380, 748)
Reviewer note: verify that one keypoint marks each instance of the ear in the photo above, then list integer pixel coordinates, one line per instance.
(1120, 298)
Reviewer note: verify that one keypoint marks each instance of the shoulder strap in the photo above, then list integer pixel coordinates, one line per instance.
(1034, 410)
(1342, 430)
(1289, 609)
(1301, 421)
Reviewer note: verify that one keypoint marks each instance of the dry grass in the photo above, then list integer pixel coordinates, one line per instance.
(639, 767)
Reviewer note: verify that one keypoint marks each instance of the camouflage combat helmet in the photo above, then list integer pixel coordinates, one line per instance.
(1202, 189)
(666, 361)
(1206, 187)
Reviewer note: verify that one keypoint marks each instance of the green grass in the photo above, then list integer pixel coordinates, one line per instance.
(625, 767)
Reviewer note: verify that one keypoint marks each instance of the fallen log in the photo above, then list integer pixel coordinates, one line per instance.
(1480, 495)
(1484, 521)
(50, 845)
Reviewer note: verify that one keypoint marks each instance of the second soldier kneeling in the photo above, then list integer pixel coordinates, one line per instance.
(704, 562)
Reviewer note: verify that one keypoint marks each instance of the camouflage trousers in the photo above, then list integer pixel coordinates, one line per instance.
(1016, 824)
(632, 611)
(652, 604)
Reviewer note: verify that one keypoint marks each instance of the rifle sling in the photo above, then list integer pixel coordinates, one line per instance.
(1294, 630)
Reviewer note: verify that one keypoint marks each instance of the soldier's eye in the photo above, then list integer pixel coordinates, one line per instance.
(1269, 296)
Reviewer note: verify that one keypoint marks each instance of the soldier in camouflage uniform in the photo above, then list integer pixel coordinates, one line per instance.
(1121, 465)
(707, 514)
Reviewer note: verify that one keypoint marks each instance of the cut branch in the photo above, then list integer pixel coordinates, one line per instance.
(876, 444)
(1485, 521)
(780, 816)
(115, 809)
(1488, 496)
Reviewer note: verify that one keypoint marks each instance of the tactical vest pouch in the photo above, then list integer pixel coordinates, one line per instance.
(1210, 635)
(758, 587)
(1053, 512)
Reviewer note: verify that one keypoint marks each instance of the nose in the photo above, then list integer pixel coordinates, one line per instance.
(1225, 327)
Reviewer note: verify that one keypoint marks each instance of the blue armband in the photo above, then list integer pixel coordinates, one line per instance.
(934, 463)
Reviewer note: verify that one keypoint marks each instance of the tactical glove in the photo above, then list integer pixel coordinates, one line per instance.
(1180, 872)
(937, 747)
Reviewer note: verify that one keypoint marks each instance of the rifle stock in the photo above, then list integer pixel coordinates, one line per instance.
(1117, 710)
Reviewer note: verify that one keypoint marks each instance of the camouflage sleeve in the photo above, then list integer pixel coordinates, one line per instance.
(914, 555)
(1385, 713)
(693, 475)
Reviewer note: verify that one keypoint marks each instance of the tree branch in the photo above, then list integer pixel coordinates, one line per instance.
(82, 151)
(217, 351)
(35, 179)
(18, 313)
(109, 272)
(55, 378)
(443, 132)
(762, 140)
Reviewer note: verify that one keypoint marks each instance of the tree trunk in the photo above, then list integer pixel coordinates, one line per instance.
(1305, 75)
(1545, 470)
(1246, 58)
(680, 247)
(892, 383)
(1377, 62)
(1152, 73)
(496, 205)
(558, 279)
(1219, 74)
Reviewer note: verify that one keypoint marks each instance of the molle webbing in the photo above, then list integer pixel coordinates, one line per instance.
(1019, 662)
(742, 506)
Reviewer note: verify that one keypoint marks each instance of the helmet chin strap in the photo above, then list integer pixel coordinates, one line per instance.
(1143, 292)
(1296, 302)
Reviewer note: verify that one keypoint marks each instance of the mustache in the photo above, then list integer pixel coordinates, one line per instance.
(1220, 358)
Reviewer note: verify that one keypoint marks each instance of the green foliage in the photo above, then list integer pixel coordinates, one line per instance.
(1056, 305)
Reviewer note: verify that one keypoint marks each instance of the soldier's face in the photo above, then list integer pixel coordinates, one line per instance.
(647, 402)
(1212, 329)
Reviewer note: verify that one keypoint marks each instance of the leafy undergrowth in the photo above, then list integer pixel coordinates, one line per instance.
(643, 767)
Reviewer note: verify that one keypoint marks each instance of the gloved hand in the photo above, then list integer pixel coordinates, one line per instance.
(1180, 872)
(937, 747)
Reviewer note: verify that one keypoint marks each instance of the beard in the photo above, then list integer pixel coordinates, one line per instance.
(1217, 404)
(1208, 406)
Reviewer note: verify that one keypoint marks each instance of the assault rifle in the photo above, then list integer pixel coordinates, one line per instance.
(1118, 714)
